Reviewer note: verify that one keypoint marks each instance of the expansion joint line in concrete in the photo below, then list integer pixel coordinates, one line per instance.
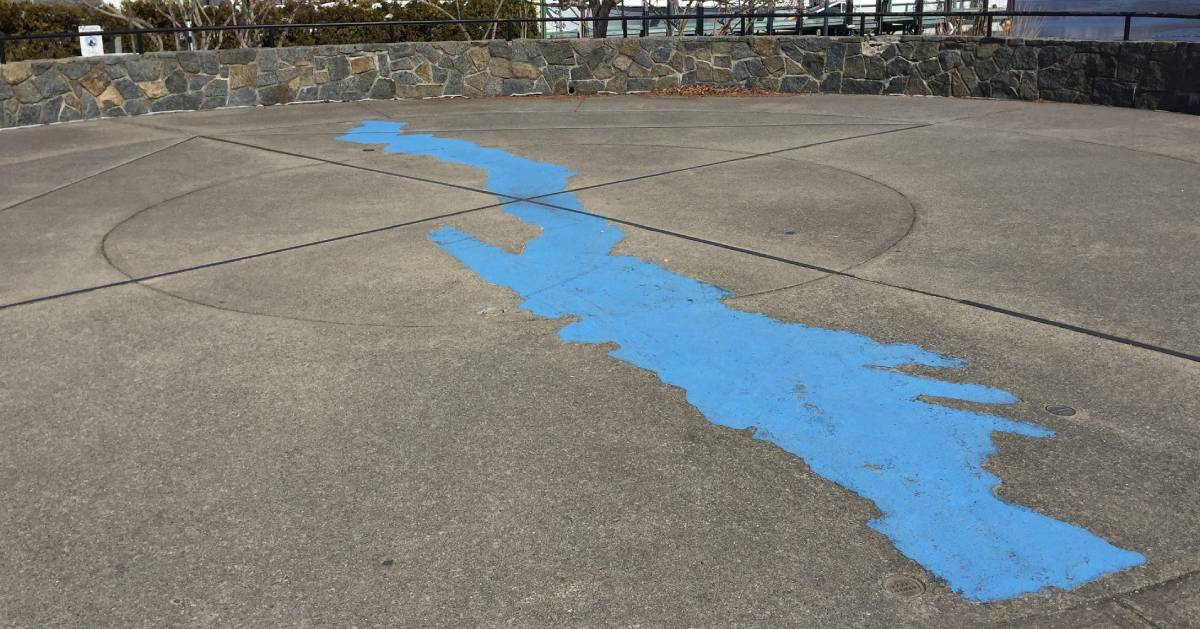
(964, 302)
(1136, 612)
(251, 256)
(97, 174)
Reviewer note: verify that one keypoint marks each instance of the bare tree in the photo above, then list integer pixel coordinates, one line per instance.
(595, 10)
(458, 15)
(195, 13)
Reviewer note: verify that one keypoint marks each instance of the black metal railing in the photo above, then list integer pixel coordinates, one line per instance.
(699, 23)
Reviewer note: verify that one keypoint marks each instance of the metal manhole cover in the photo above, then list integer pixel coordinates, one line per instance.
(1060, 410)
(907, 587)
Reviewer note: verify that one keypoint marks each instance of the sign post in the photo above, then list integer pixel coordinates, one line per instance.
(91, 45)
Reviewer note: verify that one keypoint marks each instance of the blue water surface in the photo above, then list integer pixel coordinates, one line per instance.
(831, 397)
(1143, 29)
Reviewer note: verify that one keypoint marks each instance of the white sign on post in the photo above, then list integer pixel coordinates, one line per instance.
(91, 45)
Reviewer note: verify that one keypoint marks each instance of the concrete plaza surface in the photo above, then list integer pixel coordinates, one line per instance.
(241, 387)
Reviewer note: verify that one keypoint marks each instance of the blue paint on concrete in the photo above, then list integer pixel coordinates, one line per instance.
(833, 398)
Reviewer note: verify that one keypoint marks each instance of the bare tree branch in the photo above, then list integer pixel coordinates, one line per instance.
(440, 9)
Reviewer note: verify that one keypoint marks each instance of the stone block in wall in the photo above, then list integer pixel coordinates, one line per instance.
(832, 83)
(640, 84)
(69, 114)
(153, 89)
(127, 88)
(364, 82)
(420, 91)
(750, 67)
(75, 70)
(243, 75)
(855, 67)
(509, 87)
(1132, 61)
(274, 94)
(339, 68)
(1026, 58)
(799, 84)
(145, 69)
(114, 70)
(916, 86)
(1113, 92)
(1059, 79)
(454, 85)
(15, 73)
(288, 74)
(307, 93)
(1092, 65)
(95, 80)
(50, 84)
(586, 87)
(26, 93)
(358, 65)
(267, 59)
(188, 61)
(110, 98)
(237, 56)
(215, 88)
(91, 107)
(862, 86)
(176, 82)
(242, 97)
(175, 102)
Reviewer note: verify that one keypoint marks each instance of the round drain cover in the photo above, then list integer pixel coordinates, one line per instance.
(1060, 410)
(900, 585)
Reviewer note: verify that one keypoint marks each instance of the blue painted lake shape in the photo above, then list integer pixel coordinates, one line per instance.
(831, 397)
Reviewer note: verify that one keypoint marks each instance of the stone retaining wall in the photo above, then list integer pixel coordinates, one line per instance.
(1151, 75)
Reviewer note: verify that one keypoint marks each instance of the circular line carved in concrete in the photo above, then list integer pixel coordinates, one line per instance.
(398, 278)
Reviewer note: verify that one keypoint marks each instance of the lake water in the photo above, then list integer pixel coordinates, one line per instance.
(1112, 28)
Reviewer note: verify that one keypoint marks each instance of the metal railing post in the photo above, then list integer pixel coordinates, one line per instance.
(989, 31)
(825, 23)
(800, 18)
(700, 20)
(771, 23)
(508, 30)
(624, 26)
(645, 25)
(3, 56)
(1128, 26)
(919, 18)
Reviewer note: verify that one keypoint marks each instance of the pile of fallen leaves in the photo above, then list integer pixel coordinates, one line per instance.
(713, 90)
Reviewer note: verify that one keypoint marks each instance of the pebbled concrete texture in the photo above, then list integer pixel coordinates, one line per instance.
(332, 423)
